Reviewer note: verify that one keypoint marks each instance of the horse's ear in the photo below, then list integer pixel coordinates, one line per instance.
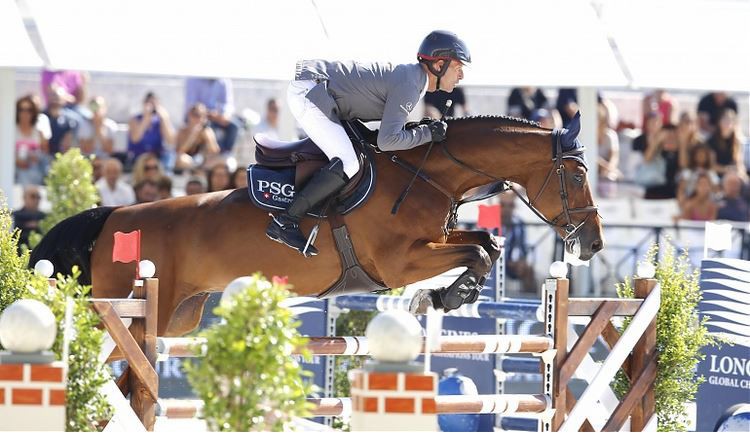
(573, 127)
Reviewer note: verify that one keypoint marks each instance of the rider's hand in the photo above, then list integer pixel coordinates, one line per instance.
(438, 130)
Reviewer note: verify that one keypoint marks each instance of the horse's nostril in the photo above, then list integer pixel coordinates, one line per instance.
(597, 245)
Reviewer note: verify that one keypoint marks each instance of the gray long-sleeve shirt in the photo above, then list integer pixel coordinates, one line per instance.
(369, 91)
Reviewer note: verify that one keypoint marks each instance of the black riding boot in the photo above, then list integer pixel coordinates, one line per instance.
(284, 228)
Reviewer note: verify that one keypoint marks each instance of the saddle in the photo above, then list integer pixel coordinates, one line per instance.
(283, 167)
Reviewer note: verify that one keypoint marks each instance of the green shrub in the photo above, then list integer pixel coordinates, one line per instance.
(70, 190)
(13, 273)
(249, 378)
(85, 406)
(680, 336)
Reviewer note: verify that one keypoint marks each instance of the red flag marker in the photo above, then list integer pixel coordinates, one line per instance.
(489, 217)
(127, 248)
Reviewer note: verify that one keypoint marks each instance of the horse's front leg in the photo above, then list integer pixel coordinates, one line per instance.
(489, 242)
(430, 259)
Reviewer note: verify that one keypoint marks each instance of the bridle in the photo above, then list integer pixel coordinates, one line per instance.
(571, 229)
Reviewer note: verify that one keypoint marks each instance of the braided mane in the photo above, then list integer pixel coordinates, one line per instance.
(508, 121)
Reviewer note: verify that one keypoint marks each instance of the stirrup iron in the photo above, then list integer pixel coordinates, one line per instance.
(311, 240)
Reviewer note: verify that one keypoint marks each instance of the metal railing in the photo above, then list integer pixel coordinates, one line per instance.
(626, 245)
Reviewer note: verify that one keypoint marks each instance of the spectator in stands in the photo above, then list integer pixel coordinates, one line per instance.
(609, 154)
(650, 135)
(147, 166)
(150, 131)
(196, 141)
(524, 100)
(733, 206)
(659, 100)
(113, 190)
(195, 185)
(62, 126)
(146, 191)
(42, 121)
(517, 264)
(651, 130)
(662, 144)
(27, 218)
(217, 95)
(98, 136)
(270, 123)
(727, 144)
(701, 205)
(97, 168)
(700, 160)
(70, 87)
(164, 187)
(239, 178)
(30, 144)
(710, 109)
(219, 178)
(687, 136)
(435, 103)
(64, 84)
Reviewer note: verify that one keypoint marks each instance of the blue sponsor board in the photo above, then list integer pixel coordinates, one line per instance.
(725, 287)
(314, 324)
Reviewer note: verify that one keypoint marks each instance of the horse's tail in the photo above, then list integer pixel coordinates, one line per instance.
(70, 242)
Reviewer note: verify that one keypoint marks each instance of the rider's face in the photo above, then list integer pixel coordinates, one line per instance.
(452, 76)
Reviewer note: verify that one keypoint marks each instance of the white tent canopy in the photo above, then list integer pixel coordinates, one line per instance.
(16, 49)
(683, 44)
(676, 44)
(513, 43)
(219, 38)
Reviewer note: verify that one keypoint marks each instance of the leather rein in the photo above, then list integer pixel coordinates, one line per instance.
(571, 229)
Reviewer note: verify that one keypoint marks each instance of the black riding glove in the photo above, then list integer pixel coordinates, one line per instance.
(438, 130)
(415, 124)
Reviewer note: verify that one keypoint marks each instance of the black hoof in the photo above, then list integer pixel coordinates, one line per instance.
(464, 290)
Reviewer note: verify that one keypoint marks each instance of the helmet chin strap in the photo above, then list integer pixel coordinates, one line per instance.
(439, 73)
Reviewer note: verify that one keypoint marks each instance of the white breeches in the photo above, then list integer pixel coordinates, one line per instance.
(328, 135)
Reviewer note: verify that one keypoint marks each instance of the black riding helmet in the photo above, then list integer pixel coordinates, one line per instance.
(443, 45)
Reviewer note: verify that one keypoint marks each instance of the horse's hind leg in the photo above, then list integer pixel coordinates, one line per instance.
(187, 316)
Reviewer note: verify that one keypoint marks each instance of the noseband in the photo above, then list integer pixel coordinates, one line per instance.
(571, 229)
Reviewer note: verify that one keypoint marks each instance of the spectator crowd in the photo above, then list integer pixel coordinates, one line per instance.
(695, 157)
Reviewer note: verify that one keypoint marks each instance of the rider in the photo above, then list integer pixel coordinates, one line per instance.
(324, 92)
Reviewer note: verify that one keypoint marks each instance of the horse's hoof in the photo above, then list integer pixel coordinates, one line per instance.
(474, 296)
(421, 301)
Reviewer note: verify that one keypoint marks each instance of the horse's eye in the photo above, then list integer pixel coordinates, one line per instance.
(578, 178)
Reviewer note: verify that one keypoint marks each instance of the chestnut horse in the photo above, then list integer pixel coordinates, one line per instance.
(200, 243)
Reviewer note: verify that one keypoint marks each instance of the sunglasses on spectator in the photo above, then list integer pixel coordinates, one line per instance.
(151, 167)
(25, 109)
(35, 196)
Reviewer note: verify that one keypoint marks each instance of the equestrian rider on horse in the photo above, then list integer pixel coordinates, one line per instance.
(324, 92)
